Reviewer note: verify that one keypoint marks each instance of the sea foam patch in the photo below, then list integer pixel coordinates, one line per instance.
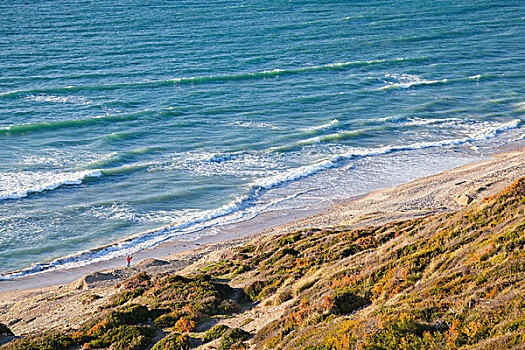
(21, 184)
(406, 81)
(77, 100)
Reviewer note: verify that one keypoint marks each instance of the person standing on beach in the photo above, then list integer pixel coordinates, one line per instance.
(129, 260)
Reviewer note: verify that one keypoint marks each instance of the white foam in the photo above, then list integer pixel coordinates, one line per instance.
(430, 121)
(406, 81)
(21, 184)
(298, 173)
(212, 164)
(256, 125)
(389, 119)
(491, 131)
(271, 71)
(78, 100)
(220, 158)
(519, 138)
(332, 123)
(117, 211)
(310, 141)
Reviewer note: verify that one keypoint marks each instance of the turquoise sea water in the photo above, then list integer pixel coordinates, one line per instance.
(119, 117)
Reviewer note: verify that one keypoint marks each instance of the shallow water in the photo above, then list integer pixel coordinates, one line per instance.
(118, 117)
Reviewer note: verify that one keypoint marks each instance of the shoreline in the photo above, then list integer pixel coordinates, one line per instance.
(364, 209)
(34, 303)
(166, 250)
(82, 259)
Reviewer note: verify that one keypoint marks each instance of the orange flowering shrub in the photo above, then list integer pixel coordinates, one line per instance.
(184, 325)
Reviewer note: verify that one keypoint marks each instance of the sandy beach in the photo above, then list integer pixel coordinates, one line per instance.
(62, 298)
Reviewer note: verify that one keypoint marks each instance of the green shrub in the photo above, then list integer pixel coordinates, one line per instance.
(126, 296)
(142, 276)
(289, 251)
(133, 314)
(154, 312)
(174, 341)
(57, 341)
(233, 336)
(140, 280)
(289, 239)
(516, 325)
(166, 321)
(247, 249)
(404, 329)
(254, 289)
(215, 333)
(347, 251)
(125, 338)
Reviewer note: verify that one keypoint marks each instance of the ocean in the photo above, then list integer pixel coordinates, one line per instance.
(124, 124)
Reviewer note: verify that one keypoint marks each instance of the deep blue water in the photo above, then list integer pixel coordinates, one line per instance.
(118, 117)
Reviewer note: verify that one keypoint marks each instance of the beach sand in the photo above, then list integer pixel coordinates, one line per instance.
(64, 298)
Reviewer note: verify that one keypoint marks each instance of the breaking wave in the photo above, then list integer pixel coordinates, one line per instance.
(21, 184)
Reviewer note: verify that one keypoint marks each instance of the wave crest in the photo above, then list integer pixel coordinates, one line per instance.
(213, 78)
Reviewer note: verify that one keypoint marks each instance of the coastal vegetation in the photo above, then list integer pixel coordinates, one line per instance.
(448, 281)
